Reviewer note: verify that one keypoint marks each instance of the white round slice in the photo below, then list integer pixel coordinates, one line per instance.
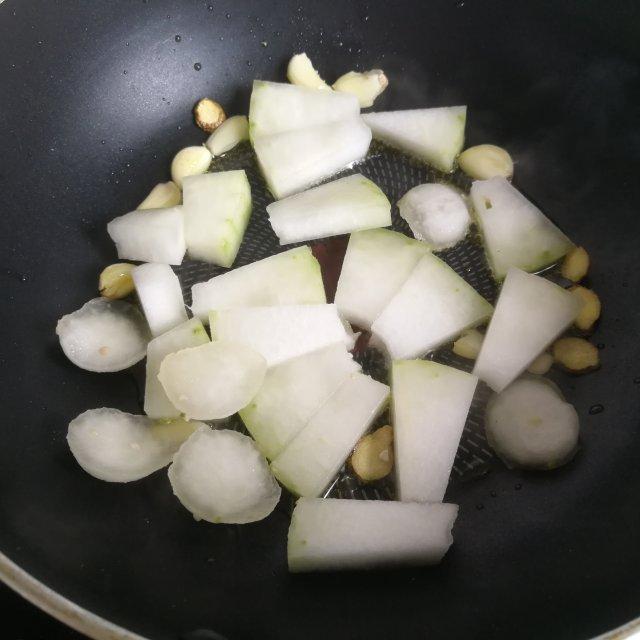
(530, 425)
(221, 476)
(104, 335)
(436, 213)
(213, 380)
(120, 447)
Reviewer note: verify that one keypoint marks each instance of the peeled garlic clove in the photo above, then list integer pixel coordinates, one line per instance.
(231, 132)
(576, 355)
(115, 281)
(301, 72)
(366, 86)
(468, 345)
(590, 311)
(575, 264)
(162, 196)
(372, 458)
(190, 161)
(209, 115)
(486, 161)
(541, 364)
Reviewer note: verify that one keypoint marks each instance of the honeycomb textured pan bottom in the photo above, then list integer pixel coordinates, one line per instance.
(395, 174)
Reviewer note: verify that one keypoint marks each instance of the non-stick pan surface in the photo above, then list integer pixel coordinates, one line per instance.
(95, 99)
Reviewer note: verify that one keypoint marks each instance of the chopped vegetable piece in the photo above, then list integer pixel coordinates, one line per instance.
(301, 71)
(160, 295)
(115, 281)
(433, 135)
(230, 133)
(292, 392)
(531, 313)
(468, 345)
(217, 207)
(529, 425)
(162, 196)
(575, 265)
(436, 214)
(349, 204)
(209, 115)
(104, 335)
(486, 161)
(281, 333)
(541, 364)
(212, 381)
(576, 355)
(156, 235)
(221, 477)
(330, 534)
(311, 460)
(514, 231)
(366, 86)
(432, 307)
(290, 277)
(430, 406)
(372, 458)
(120, 447)
(375, 266)
(189, 161)
(590, 312)
(188, 334)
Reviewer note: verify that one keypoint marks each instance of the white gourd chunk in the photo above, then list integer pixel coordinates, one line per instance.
(160, 295)
(154, 235)
(104, 335)
(313, 458)
(120, 447)
(292, 392)
(188, 334)
(331, 534)
(290, 277)
(349, 204)
(430, 406)
(432, 307)
(530, 314)
(376, 264)
(213, 380)
(221, 476)
(514, 231)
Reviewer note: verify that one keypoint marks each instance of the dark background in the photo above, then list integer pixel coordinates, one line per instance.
(95, 99)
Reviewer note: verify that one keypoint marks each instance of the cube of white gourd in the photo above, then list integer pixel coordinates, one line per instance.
(312, 459)
(530, 314)
(281, 333)
(430, 406)
(376, 264)
(514, 231)
(292, 392)
(152, 235)
(349, 204)
(290, 277)
(160, 295)
(217, 208)
(432, 307)
(185, 335)
(330, 534)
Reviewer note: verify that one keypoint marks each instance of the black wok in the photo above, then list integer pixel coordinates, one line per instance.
(95, 99)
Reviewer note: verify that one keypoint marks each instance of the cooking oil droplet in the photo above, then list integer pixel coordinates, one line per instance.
(197, 66)
(518, 487)
(493, 494)
(178, 38)
(365, 19)
(249, 63)
(480, 507)
(600, 345)
(227, 16)
(179, 127)
(126, 44)
(103, 142)
(124, 72)
(264, 43)
(595, 408)
(636, 380)
(210, 7)
(221, 38)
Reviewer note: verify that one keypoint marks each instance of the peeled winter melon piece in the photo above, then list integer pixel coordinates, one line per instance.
(292, 392)
(296, 160)
(349, 204)
(281, 333)
(213, 380)
(432, 307)
(376, 264)
(104, 335)
(152, 235)
(290, 277)
(120, 447)
(433, 135)
(331, 534)
(311, 460)
(188, 334)
(530, 314)
(160, 295)
(217, 207)
(277, 107)
(430, 406)
(514, 231)
(220, 476)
